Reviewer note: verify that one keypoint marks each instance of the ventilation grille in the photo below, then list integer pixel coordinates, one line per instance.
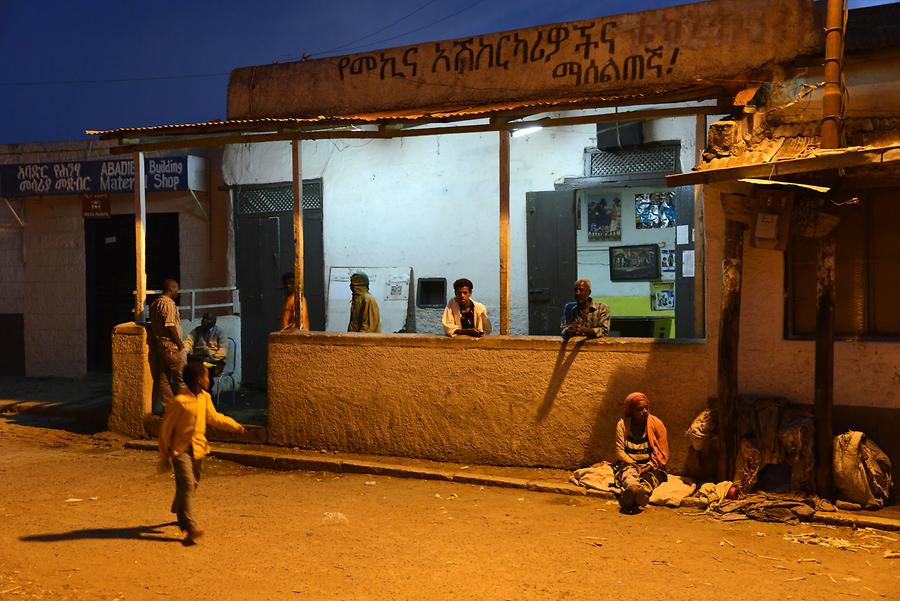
(630, 162)
(278, 199)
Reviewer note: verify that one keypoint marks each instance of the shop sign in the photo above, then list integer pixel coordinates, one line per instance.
(81, 177)
(677, 49)
(95, 205)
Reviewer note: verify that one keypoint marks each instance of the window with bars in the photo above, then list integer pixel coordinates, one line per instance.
(278, 198)
(867, 271)
(657, 159)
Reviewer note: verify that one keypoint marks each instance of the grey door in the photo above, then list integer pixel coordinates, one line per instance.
(552, 258)
(688, 318)
(264, 244)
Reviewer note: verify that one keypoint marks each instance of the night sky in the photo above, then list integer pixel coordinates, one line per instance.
(101, 64)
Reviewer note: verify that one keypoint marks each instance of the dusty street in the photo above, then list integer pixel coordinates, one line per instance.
(83, 518)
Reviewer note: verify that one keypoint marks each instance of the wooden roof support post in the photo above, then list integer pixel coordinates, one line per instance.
(297, 180)
(824, 382)
(140, 235)
(729, 334)
(504, 232)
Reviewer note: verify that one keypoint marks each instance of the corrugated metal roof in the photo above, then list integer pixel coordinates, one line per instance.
(422, 116)
(872, 28)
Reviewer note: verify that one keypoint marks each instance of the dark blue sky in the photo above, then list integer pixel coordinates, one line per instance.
(100, 64)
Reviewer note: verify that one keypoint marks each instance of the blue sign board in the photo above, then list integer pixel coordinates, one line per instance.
(79, 177)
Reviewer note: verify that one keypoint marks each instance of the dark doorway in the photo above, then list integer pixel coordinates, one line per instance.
(264, 251)
(110, 274)
(552, 258)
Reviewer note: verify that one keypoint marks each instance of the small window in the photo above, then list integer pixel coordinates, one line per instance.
(867, 271)
(431, 293)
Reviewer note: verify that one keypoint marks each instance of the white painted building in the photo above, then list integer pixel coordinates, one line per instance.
(430, 203)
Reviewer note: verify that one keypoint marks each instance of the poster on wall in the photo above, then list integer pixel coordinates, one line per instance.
(605, 220)
(662, 296)
(654, 210)
(667, 260)
(634, 263)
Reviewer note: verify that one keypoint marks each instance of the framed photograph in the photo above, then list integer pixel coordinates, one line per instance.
(604, 217)
(667, 258)
(662, 296)
(634, 263)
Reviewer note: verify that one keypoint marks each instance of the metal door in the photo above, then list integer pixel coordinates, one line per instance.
(552, 258)
(264, 245)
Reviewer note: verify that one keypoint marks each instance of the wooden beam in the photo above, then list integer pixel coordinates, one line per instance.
(504, 232)
(700, 130)
(140, 235)
(729, 335)
(297, 180)
(282, 136)
(824, 379)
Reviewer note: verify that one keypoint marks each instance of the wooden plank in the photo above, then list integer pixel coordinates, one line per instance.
(504, 232)
(824, 378)
(140, 235)
(729, 335)
(297, 181)
(835, 160)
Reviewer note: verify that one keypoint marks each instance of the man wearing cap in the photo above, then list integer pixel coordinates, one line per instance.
(583, 316)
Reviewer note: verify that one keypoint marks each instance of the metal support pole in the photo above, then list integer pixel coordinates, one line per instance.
(832, 94)
(504, 232)
(297, 178)
(140, 235)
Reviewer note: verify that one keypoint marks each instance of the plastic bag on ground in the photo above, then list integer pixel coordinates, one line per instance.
(673, 491)
(862, 472)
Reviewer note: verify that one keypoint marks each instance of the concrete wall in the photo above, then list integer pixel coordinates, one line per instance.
(501, 400)
(435, 200)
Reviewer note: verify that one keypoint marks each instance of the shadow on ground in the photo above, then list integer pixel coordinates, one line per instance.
(151, 533)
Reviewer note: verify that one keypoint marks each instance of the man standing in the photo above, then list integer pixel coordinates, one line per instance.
(364, 314)
(208, 344)
(168, 357)
(584, 317)
(289, 309)
(464, 316)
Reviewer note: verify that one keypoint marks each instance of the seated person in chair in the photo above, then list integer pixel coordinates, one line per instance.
(207, 344)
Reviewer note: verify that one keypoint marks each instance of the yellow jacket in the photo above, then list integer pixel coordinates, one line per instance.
(184, 423)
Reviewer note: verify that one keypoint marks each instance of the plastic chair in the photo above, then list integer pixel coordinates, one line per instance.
(230, 362)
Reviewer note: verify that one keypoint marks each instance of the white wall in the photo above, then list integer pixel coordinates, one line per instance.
(431, 202)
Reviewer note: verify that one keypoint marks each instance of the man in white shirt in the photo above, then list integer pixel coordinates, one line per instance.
(464, 316)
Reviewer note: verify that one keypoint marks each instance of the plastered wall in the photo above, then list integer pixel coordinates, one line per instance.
(525, 401)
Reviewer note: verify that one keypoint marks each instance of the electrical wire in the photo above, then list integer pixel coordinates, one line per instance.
(376, 32)
(418, 29)
(63, 82)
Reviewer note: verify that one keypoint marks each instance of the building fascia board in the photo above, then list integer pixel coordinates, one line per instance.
(656, 50)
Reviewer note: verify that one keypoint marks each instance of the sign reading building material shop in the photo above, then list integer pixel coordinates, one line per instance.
(166, 174)
(675, 50)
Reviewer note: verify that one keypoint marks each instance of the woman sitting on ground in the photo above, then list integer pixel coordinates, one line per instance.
(642, 451)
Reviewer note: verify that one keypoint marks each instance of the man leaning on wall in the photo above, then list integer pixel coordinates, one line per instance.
(583, 316)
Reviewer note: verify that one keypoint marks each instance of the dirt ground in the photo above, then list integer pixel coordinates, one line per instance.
(83, 518)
